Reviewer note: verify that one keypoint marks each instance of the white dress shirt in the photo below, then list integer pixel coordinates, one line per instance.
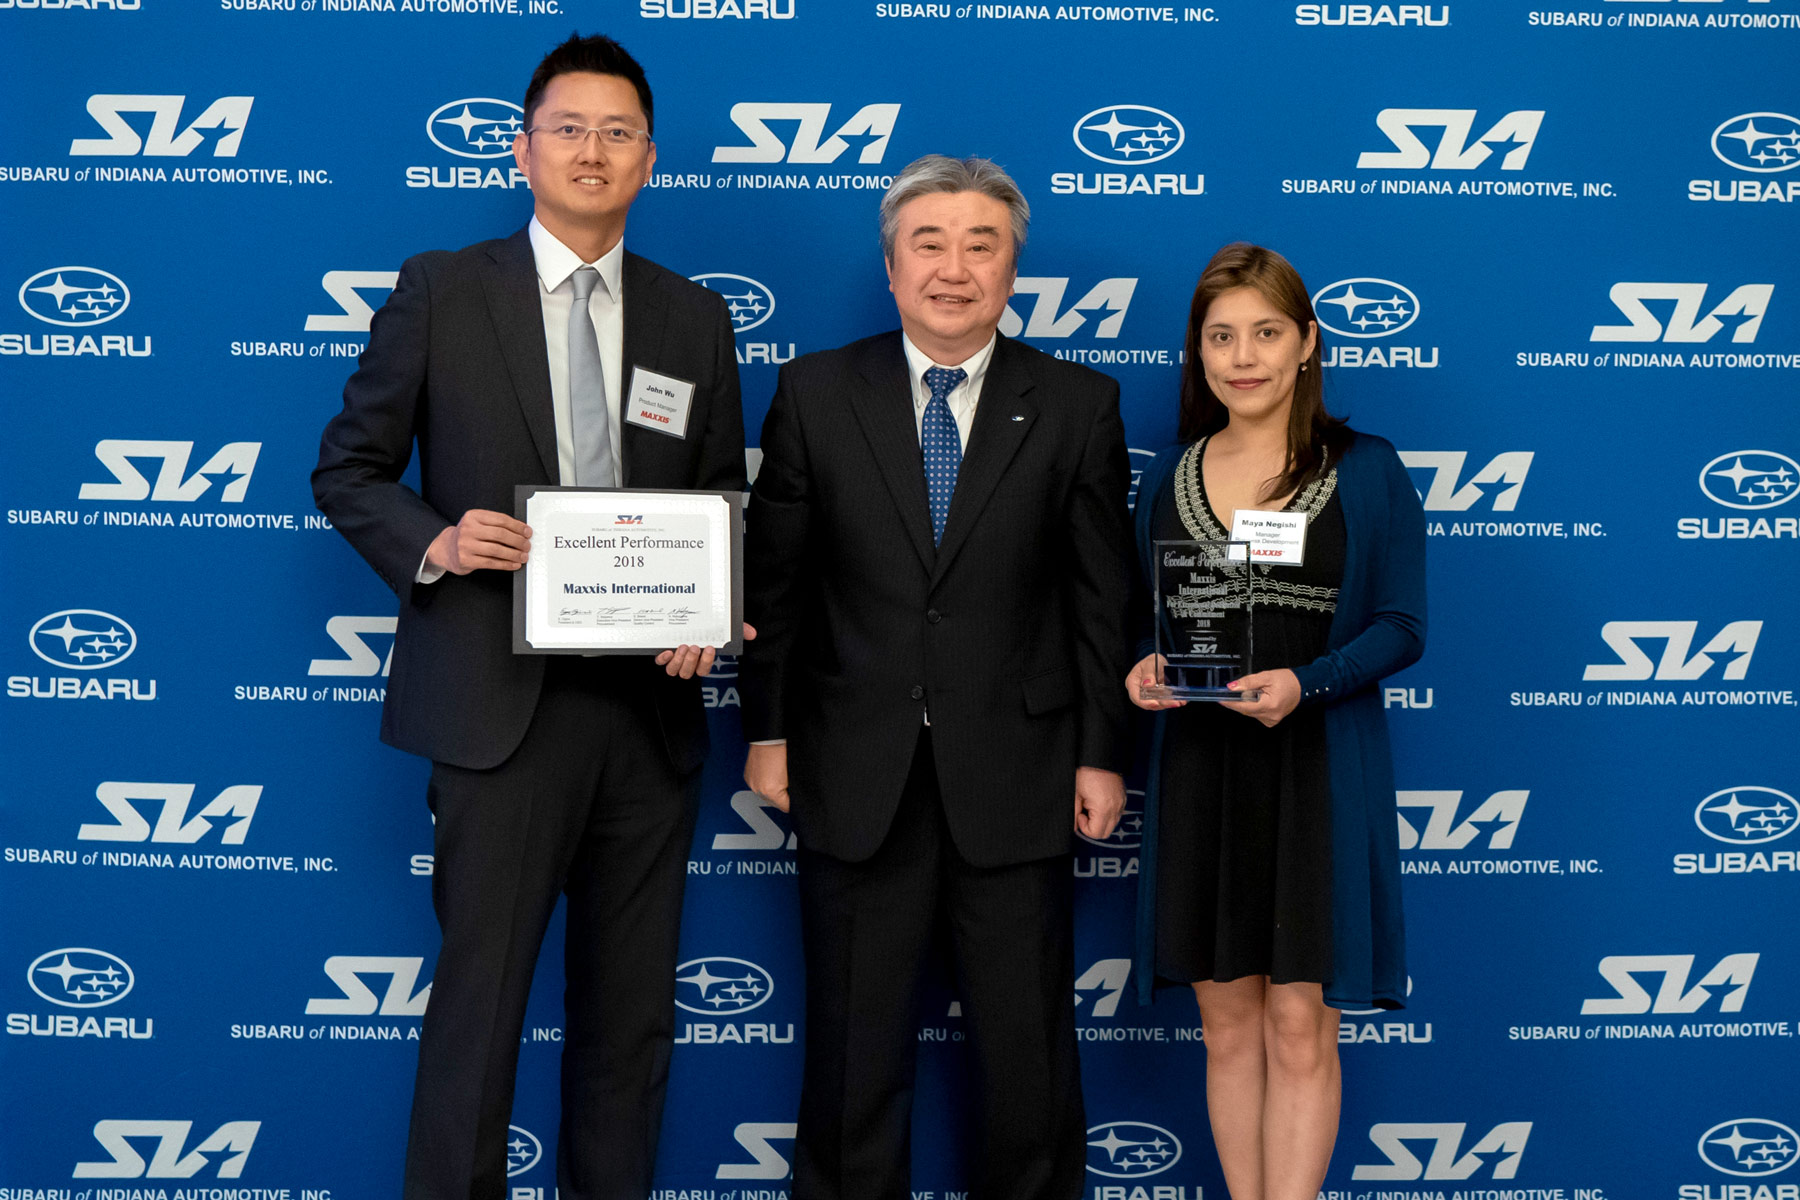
(962, 398)
(556, 263)
(962, 401)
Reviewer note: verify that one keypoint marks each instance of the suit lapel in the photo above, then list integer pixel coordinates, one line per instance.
(646, 316)
(511, 287)
(884, 409)
(1003, 416)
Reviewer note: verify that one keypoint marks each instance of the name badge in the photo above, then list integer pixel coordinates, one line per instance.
(659, 402)
(1276, 538)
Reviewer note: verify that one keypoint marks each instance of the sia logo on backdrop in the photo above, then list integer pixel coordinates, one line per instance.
(749, 301)
(1749, 1146)
(1737, 638)
(1750, 479)
(354, 312)
(767, 1162)
(1732, 972)
(1108, 977)
(357, 999)
(80, 977)
(721, 986)
(523, 1150)
(172, 822)
(1442, 494)
(1747, 816)
(224, 118)
(1131, 1149)
(74, 296)
(475, 128)
(1111, 297)
(1515, 132)
(360, 658)
(1498, 816)
(1446, 1160)
(233, 1138)
(82, 639)
(173, 483)
(1685, 324)
(872, 125)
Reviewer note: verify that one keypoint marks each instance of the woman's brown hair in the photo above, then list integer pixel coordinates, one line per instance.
(1311, 430)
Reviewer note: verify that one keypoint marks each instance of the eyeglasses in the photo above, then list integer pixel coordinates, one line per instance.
(610, 135)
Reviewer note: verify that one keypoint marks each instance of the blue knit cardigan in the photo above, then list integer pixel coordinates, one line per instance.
(1378, 629)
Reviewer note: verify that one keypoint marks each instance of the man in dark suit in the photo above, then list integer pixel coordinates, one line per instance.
(507, 363)
(936, 564)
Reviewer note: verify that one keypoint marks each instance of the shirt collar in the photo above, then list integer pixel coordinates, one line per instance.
(556, 262)
(976, 365)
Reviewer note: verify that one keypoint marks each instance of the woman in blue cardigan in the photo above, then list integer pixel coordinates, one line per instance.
(1271, 878)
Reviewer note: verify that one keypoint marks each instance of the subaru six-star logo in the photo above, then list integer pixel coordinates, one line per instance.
(749, 301)
(1749, 1146)
(715, 986)
(1129, 135)
(1130, 1149)
(1747, 816)
(725, 666)
(1750, 479)
(82, 639)
(1764, 142)
(522, 1150)
(74, 296)
(1128, 834)
(1365, 308)
(78, 977)
(476, 128)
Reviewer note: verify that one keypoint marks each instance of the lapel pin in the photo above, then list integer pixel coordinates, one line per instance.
(1016, 417)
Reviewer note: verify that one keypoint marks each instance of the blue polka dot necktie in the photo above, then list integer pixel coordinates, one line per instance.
(941, 445)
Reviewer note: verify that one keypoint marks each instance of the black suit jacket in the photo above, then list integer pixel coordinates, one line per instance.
(1012, 631)
(456, 362)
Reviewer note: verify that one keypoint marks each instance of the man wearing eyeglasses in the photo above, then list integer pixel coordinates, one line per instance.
(506, 362)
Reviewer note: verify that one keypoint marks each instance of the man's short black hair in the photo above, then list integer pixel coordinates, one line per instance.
(597, 54)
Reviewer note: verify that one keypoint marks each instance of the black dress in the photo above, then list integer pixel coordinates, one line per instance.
(1244, 859)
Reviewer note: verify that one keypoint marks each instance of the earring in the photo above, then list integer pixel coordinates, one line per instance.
(1303, 366)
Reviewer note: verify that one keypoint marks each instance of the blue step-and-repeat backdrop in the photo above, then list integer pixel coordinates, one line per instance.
(1554, 253)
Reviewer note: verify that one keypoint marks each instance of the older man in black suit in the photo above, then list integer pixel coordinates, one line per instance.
(506, 363)
(937, 565)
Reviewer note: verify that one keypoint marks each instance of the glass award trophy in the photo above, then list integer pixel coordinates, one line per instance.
(1204, 593)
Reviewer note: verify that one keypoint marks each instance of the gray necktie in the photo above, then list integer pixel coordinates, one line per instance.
(587, 391)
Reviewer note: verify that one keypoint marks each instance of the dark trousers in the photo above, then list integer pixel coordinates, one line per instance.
(589, 805)
(868, 928)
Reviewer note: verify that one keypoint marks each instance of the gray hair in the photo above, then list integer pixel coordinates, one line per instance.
(940, 173)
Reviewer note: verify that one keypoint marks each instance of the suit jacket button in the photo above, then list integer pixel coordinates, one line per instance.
(918, 693)
(933, 615)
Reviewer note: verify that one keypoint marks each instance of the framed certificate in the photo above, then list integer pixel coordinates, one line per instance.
(629, 571)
